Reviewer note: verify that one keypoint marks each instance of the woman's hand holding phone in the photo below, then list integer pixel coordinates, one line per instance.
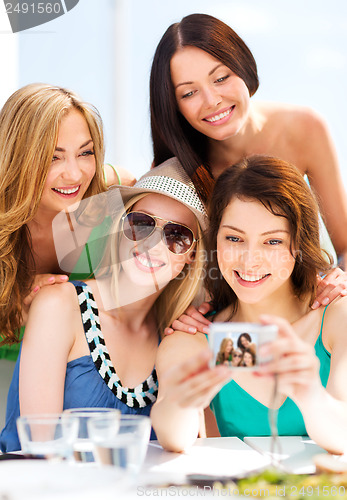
(293, 360)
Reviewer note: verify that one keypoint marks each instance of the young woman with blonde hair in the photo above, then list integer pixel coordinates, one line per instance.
(93, 344)
(226, 352)
(52, 155)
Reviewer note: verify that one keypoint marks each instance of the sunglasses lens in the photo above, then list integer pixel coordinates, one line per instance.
(179, 239)
(138, 226)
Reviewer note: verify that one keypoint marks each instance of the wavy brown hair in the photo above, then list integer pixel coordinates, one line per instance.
(29, 123)
(281, 188)
(172, 135)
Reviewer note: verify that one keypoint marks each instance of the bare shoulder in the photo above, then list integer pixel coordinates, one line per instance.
(54, 319)
(62, 295)
(335, 322)
(183, 339)
(295, 133)
(126, 177)
(298, 116)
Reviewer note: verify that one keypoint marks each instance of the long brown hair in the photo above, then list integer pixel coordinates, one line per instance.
(281, 188)
(29, 123)
(172, 135)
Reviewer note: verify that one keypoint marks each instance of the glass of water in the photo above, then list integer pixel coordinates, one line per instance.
(83, 447)
(47, 435)
(124, 447)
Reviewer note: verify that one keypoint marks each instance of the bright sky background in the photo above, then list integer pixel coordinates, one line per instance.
(103, 50)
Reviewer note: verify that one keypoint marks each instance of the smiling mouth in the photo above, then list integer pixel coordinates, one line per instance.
(149, 263)
(251, 278)
(216, 118)
(67, 191)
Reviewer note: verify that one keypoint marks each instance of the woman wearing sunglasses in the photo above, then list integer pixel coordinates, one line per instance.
(150, 273)
(237, 357)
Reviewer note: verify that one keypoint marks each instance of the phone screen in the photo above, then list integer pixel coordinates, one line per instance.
(237, 344)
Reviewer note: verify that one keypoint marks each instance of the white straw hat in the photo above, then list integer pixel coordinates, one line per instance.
(168, 179)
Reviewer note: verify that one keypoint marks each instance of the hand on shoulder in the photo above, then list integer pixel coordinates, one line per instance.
(53, 305)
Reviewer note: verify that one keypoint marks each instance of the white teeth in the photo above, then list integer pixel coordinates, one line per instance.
(247, 277)
(219, 117)
(67, 191)
(147, 263)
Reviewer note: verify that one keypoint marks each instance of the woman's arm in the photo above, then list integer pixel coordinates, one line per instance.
(192, 321)
(48, 339)
(297, 369)
(320, 161)
(211, 423)
(186, 385)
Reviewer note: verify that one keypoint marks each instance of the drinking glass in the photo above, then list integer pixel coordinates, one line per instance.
(47, 435)
(83, 447)
(124, 447)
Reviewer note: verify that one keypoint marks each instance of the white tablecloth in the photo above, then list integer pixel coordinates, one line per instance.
(41, 480)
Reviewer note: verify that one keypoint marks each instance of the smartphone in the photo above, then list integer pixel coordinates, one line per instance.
(237, 344)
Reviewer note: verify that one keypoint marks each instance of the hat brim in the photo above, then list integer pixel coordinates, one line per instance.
(168, 179)
(129, 192)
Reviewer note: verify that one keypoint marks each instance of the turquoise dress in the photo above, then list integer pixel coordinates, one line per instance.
(90, 381)
(239, 414)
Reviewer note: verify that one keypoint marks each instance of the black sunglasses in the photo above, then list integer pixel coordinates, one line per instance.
(138, 226)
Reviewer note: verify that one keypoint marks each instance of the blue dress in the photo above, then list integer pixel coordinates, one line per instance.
(90, 381)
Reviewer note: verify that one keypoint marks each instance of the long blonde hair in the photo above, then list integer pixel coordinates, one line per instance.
(178, 293)
(221, 353)
(29, 123)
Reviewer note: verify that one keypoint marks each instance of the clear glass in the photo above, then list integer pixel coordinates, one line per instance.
(83, 447)
(124, 447)
(47, 435)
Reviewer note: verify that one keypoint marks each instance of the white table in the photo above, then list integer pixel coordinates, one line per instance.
(40, 480)
(212, 456)
(295, 453)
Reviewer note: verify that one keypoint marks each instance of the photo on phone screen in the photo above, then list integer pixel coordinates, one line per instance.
(236, 345)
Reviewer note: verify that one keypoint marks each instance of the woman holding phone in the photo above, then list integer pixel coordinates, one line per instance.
(93, 343)
(265, 254)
